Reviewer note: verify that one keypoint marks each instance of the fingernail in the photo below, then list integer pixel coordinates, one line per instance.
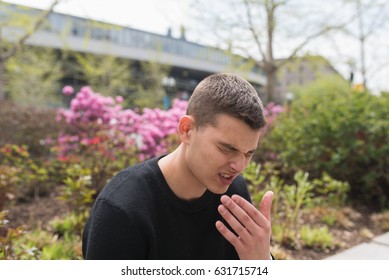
(221, 209)
(224, 199)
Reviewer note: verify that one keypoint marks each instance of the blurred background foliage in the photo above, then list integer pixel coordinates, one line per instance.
(332, 128)
(32, 76)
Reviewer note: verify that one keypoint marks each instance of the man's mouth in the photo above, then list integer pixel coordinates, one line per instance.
(226, 179)
(226, 176)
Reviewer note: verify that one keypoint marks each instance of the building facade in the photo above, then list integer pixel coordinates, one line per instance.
(301, 71)
(189, 62)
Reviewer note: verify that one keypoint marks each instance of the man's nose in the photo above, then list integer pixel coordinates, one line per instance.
(239, 162)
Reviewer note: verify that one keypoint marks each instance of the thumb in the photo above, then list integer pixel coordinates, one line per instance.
(265, 205)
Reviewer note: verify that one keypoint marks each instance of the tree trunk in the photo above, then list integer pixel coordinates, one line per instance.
(363, 63)
(362, 37)
(270, 68)
(271, 82)
(2, 81)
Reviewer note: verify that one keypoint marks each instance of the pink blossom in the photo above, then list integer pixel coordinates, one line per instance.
(68, 90)
(119, 99)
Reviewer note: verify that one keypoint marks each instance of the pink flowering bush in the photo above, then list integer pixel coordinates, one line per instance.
(92, 116)
(21, 175)
(271, 111)
(102, 136)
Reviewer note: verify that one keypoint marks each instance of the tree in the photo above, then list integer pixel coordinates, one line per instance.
(259, 28)
(371, 18)
(150, 91)
(139, 83)
(23, 26)
(108, 75)
(33, 76)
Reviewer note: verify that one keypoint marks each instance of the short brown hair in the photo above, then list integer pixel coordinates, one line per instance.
(229, 94)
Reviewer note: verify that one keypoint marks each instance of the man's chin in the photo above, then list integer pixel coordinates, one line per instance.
(219, 190)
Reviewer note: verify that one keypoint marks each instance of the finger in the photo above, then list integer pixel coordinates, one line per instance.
(235, 224)
(239, 214)
(227, 234)
(250, 210)
(266, 203)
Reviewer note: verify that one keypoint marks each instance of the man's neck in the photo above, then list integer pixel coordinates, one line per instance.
(179, 178)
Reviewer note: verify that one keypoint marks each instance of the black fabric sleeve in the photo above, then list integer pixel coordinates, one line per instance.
(108, 235)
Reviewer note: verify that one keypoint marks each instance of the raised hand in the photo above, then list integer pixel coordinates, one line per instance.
(252, 226)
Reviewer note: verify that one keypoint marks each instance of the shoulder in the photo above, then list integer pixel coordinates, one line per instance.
(132, 186)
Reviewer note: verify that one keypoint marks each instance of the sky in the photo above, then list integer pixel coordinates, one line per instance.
(158, 15)
(149, 15)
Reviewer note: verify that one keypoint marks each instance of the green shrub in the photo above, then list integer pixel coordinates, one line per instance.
(44, 245)
(8, 180)
(102, 158)
(62, 241)
(341, 132)
(77, 191)
(23, 176)
(8, 236)
(331, 192)
(28, 246)
(62, 249)
(329, 219)
(317, 238)
(71, 225)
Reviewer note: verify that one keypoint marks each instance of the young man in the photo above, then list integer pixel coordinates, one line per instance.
(192, 203)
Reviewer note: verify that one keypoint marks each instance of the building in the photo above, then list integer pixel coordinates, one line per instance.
(301, 71)
(190, 62)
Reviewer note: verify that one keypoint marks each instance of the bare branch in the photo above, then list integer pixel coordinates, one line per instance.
(378, 20)
(252, 29)
(37, 24)
(309, 38)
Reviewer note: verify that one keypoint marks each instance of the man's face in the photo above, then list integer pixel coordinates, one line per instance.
(217, 154)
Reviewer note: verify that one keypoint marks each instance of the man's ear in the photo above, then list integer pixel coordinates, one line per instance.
(186, 126)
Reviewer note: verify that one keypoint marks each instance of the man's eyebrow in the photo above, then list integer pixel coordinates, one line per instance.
(228, 146)
(232, 148)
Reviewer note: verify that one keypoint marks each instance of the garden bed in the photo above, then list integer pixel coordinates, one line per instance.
(358, 226)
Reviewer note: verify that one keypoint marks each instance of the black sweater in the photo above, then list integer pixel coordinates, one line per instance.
(137, 216)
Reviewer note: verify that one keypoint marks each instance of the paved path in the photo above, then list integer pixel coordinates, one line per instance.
(376, 249)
